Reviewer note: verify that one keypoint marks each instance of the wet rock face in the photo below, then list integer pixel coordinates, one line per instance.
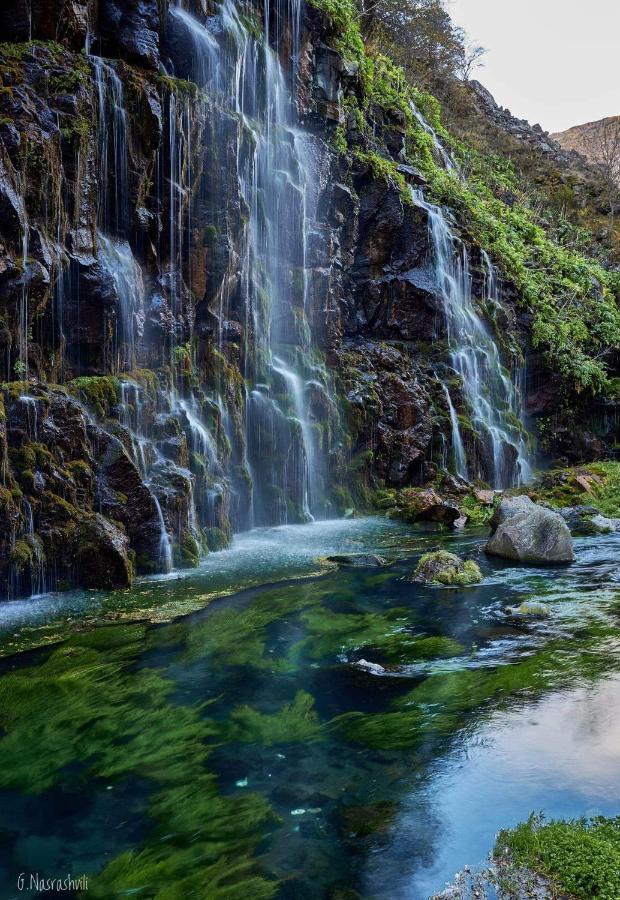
(121, 495)
(45, 20)
(173, 213)
(130, 28)
(101, 554)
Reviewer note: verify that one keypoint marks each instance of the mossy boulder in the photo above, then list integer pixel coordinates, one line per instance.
(215, 539)
(441, 567)
(426, 505)
(187, 555)
(531, 608)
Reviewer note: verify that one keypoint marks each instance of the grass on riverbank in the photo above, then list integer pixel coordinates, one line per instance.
(581, 858)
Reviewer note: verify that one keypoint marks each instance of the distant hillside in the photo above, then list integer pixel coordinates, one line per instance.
(587, 139)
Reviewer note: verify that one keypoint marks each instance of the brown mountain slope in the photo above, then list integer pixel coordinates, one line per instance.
(591, 138)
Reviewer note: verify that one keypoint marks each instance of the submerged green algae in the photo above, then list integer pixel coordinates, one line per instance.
(242, 735)
(86, 705)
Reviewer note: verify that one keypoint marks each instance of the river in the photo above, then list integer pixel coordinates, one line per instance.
(214, 735)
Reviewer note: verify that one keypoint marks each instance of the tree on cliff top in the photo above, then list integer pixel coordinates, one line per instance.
(602, 144)
(421, 37)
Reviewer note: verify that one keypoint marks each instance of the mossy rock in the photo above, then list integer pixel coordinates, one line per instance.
(99, 393)
(533, 608)
(215, 539)
(101, 554)
(21, 556)
(441, 567)
(187, 554)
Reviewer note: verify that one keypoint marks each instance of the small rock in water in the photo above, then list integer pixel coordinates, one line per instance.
(606, 525)
(372, 667)
(584, 521)
(440, 567)
(529, 608)
(358, 560)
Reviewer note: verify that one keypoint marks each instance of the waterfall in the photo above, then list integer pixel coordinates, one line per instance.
(492, 398)
(460, 458)
(275, 176)
(439, 148)
(126, 275)
(165, 544)
(113, 192)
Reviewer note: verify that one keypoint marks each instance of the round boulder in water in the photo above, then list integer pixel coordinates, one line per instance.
(441, 567)
(533, 608)
(529, 533)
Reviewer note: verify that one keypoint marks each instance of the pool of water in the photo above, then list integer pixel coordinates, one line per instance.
(246, 749)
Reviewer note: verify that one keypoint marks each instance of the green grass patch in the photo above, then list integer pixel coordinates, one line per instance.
(581, 857)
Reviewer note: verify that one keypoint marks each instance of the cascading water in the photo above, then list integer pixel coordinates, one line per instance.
(439, 148)
(492, 398)
(274, 170)
(458, 448)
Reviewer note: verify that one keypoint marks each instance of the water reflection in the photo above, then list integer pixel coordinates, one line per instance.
(245, 747)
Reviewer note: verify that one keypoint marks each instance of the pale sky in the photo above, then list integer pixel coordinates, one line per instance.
(555, 62)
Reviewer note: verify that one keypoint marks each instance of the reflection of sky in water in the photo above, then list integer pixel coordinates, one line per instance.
(448, 795)
(560, 756)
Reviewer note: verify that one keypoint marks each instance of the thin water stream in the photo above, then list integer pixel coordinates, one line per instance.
(248, 747)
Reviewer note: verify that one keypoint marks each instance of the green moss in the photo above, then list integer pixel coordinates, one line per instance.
(182, 88)
(21, 556)
(23, 458)
(59, 509)
(215, 538)
(331, 634)
(385, 169)
(597, 484)
(99, 392)
(581, 858)
(440, 567)
(442, 702)
(187, 555)
(88, 706)
(477, 513)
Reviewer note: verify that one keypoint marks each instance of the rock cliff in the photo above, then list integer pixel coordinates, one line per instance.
(220, 299)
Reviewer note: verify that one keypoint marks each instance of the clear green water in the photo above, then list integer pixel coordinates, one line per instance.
(241, 752)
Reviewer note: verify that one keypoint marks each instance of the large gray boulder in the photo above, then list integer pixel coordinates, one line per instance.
(529, 533)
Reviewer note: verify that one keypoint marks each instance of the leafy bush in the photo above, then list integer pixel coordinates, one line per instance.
(571, 297)
(580, 857)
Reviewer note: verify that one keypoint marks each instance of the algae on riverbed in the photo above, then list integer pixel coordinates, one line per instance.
(229, 745)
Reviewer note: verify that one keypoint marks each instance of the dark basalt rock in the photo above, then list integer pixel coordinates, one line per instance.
(65, 21)
(428, 506)
(130, 28)
(122, 496)
(101, 554)
(358, 560)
